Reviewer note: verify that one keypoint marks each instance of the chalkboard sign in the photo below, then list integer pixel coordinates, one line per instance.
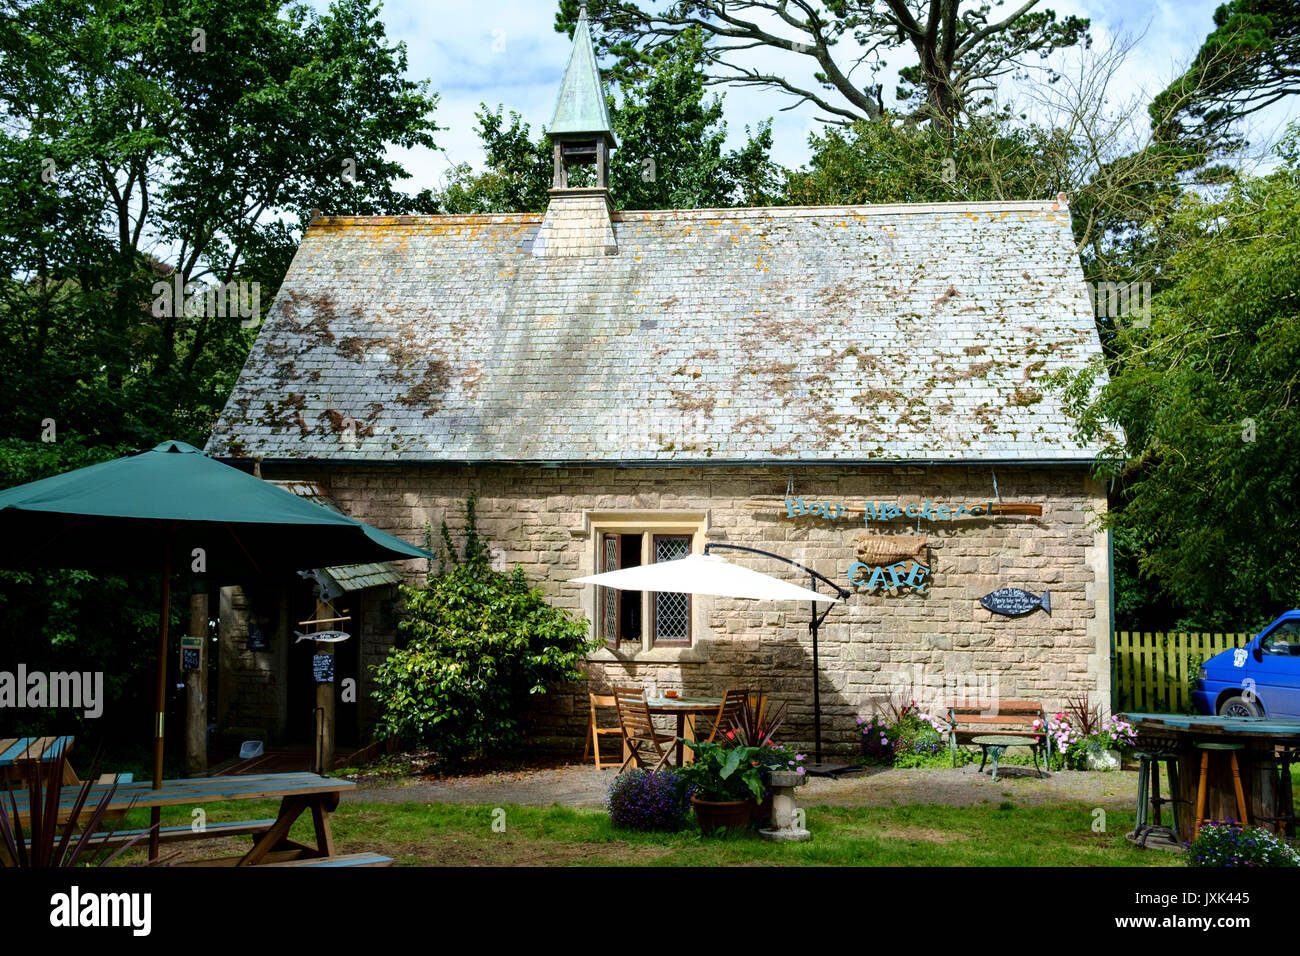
(322, 668)
(191, 649)
(257, 640)
(1014, 602)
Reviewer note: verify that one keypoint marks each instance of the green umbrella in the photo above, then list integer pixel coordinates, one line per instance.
(172, 506)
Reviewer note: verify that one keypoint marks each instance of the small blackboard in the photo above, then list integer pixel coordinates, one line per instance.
(322, 668)
(189, 658)
(257, 640)
(1013, 602)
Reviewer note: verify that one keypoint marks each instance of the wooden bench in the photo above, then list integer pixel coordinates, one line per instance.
(345, 859)
(1006, 718)
(178, 834)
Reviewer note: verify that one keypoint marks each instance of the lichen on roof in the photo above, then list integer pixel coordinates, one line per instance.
(441, 338)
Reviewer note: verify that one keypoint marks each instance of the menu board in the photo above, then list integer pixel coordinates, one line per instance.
(322, 668)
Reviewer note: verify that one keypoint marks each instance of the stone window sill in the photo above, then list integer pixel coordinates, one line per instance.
(655, 655)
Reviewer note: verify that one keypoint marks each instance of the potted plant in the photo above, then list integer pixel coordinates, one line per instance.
(728, 784)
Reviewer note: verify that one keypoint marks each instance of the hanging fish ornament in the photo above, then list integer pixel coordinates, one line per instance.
(1014, 602)
(325, 637)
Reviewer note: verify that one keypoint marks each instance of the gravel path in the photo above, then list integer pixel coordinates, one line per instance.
(583, 786)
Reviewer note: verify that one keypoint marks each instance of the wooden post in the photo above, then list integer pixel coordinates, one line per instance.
(325, 700)
(196, 687)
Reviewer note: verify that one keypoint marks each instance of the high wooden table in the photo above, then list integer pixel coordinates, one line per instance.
(1260, 737)
(298, 793)
(685, 710)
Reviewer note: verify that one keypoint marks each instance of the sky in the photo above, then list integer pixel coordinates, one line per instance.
(506, 52)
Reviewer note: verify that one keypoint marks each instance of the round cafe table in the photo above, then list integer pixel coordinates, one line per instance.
(685, 710)
(994, 744)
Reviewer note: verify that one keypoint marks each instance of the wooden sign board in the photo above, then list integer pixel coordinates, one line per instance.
(924, 510)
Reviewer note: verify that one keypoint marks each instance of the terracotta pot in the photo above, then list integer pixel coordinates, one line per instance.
(714, 815)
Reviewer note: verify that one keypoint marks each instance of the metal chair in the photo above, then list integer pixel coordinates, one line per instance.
(595, 731)
(1151, 751)
(639, 732)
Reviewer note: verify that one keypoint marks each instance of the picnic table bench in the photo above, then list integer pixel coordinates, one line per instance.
(1008, 723)
(20, 758)
(299, 793)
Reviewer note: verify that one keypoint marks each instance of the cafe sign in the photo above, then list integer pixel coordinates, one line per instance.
(925, 510)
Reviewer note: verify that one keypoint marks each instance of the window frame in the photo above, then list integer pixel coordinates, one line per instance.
(652, 622)
(647, 524)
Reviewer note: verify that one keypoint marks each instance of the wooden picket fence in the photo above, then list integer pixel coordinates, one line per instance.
(1154, 671)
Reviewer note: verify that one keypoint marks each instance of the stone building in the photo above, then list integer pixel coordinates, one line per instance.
(616, 388)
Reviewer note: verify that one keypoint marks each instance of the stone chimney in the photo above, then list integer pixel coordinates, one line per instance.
(577, 220)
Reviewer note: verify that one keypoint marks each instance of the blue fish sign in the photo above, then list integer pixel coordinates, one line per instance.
(1014, 602)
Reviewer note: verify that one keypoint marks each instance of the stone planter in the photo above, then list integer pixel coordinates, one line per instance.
(1101, 759)
(784, 818)
(714, 815)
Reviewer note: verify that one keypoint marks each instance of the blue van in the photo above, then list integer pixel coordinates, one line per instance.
(1261, 679)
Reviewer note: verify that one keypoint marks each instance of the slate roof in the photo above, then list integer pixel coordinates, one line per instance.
(786, 334)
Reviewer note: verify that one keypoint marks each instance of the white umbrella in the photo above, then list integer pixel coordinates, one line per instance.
(704, 574)
(710, 574)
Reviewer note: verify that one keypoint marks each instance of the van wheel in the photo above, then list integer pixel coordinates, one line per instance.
(1240, 707)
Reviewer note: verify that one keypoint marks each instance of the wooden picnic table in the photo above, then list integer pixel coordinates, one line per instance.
(685, 710)
(1261, 737)
(19, 756)
(298, 793)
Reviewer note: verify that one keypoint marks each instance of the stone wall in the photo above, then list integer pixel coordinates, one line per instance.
(876, 643)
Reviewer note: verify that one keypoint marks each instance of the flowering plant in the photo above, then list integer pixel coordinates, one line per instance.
(780, 757)
(909, 735)
(1070, 746)
(724, 773)
(1227, 844)
(643, 799)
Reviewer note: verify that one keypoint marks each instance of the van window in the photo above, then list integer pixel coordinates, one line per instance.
(1283, 639)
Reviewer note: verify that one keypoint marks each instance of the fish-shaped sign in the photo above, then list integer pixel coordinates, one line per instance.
(325, 637)
(1014, 602)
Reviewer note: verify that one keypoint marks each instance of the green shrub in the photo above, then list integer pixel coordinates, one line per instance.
(477, 646)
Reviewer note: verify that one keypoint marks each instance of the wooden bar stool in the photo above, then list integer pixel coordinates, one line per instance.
(1151, 752)
(1205, 747)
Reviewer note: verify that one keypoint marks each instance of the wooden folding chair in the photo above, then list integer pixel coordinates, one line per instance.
(639, 731)
(725, 718)
(595, 731)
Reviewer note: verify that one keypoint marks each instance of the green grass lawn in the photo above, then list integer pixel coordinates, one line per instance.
(912, 835)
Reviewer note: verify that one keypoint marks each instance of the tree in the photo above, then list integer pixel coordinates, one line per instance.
(1209, 402)
(148, 145)
(1250, 61)
(671, 153)
(957, 55)
(478, 647)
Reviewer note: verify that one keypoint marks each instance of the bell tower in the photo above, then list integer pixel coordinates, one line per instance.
(577, 219)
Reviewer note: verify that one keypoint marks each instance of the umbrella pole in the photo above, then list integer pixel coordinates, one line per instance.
(817, 696)
(160, 696)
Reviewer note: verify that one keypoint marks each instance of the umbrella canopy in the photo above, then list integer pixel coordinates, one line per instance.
(705, 574)
(152, 510)
(123, 514)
